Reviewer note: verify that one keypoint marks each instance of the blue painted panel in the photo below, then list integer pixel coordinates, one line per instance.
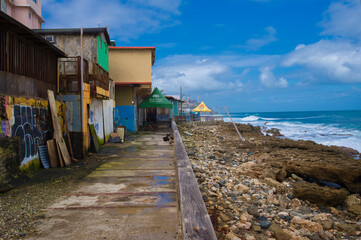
(72, 102)
(125, 116)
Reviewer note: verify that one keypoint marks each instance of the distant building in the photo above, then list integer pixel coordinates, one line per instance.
(98, 104)
(28, 12)
(131, 70)
(174, 112)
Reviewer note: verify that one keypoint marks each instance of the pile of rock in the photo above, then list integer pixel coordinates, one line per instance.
(250, 193)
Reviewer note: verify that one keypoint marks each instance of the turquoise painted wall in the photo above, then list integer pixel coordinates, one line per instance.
(103, 54)
(175, 108)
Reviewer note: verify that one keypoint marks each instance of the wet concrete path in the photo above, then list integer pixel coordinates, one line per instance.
(132, 196)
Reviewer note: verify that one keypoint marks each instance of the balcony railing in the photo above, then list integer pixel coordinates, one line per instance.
(99, 78)
(70, 74)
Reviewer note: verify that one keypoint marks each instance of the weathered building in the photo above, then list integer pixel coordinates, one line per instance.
(131, 70)
(90, 105)
(27, 12)
(28, 68)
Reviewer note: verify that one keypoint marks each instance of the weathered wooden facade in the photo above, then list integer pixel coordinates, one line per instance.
(28, 63)
(28, 68)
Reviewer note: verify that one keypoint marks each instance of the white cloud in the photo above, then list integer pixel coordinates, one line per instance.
(124, 19)
(257, 43)
(334, 60)
(171, 6)
(269, 80)
(208, 73)
(343, 19)
(190, 71)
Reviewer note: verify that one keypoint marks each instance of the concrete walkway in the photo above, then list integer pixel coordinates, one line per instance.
(132, 196)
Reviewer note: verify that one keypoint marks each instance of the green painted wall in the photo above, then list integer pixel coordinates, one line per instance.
(103, 54)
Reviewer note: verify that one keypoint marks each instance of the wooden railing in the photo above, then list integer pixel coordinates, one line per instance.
(99, 78)
(195, 221)
(70, 74)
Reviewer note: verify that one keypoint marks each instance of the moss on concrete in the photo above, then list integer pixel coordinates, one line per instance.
(31, 166)
(9, 158)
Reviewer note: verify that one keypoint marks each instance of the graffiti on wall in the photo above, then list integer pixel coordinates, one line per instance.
(4, 122)
(96, 118)
(31, 125)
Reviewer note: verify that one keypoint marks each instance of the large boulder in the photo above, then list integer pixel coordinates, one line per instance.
(345, 172)
(319, 194)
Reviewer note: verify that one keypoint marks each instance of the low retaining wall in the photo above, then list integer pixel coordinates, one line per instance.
(196, 223)
(199, 123)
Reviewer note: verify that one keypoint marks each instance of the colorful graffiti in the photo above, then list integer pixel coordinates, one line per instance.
(4, 123)
(4, 128)
(31, 125)
(96, 118)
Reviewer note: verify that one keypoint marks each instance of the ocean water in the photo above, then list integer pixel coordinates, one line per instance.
(340, 128)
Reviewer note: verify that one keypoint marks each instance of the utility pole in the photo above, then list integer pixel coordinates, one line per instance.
(181, 97)
(82, 88)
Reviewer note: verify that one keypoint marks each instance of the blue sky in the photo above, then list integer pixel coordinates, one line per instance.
(248, 55)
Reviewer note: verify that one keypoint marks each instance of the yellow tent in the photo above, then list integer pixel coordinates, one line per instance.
(202, 108)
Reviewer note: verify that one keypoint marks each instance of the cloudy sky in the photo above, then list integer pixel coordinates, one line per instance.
(248, 55)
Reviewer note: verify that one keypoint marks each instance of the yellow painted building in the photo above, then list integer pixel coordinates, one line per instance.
(131, 70)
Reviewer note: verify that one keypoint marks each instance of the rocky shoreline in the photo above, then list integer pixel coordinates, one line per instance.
(272, 188)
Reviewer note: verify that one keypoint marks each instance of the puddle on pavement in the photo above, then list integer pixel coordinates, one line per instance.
(131, 149)
(161, 180)
(165, 198)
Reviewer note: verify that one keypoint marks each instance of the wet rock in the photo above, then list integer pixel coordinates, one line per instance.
(244, 225)
(278, 232)
(307, 225)
(352, 200)
(355, 209)
(296, 178)
(241, 188)
(344, 171)
(273, 183)
(224, 217)
(253, 210)
(256, 228)
(348, 228)
(232, 236)
(349, 151)
(250, 238)
(290, 196)
(222, 182)
(265, 224)
(274, 132)
(295, 203)
(318, 194)
(314, 236)
(284, 215)
(325, 219)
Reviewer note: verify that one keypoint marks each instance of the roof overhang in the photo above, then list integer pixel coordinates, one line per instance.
(75, 31)
(132, 83)
(28, 34)
(137, 49)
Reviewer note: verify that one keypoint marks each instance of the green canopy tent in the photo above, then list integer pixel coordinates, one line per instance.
(156, 100)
